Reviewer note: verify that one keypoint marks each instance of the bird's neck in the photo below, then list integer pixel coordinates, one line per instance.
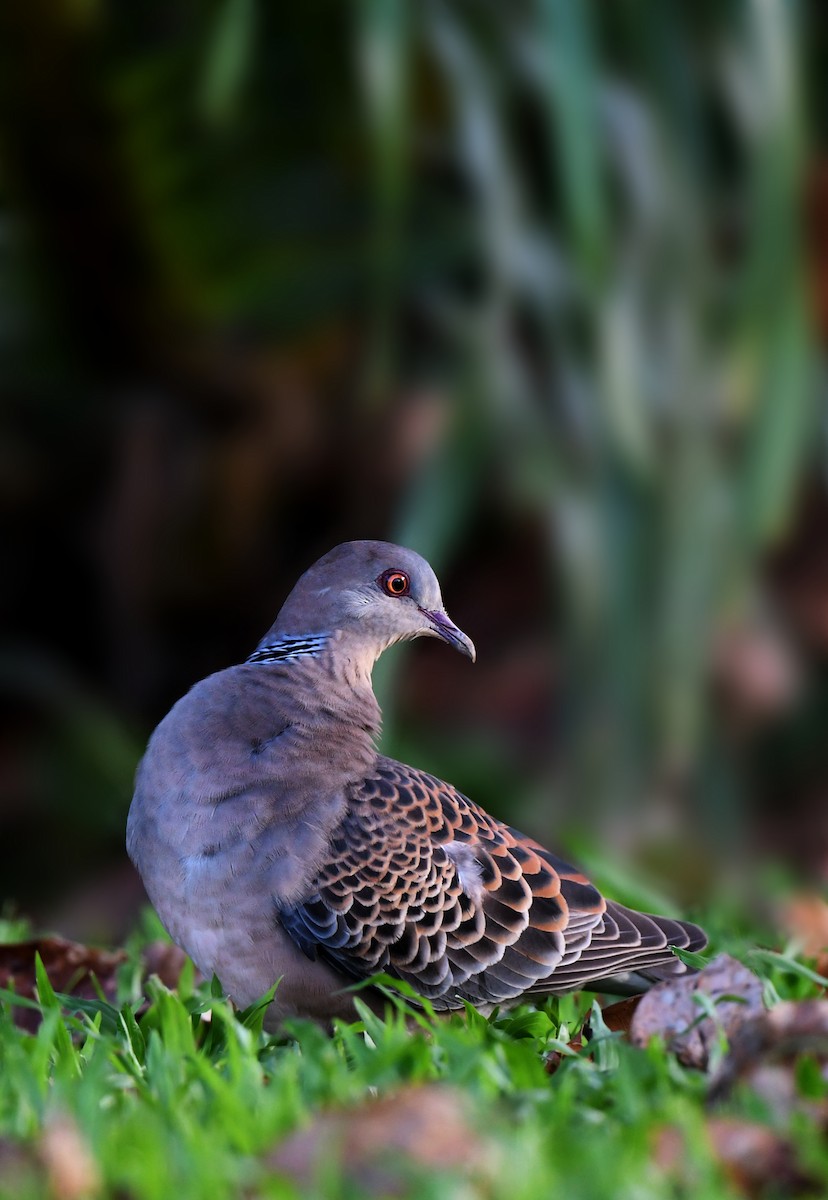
(289, 647)
(347, 658)
(332, 673)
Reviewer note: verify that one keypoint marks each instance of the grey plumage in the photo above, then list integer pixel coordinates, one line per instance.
(275, 842)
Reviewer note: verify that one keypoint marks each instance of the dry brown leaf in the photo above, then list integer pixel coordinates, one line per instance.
(59, 1165)
(805, 918)
(381, 1146)
(756, 1159)
(70, 1166)
(671, 1010)
(618, 1017)
(69, 965)
(764, 1051)
(166, 961)
(555, 1057)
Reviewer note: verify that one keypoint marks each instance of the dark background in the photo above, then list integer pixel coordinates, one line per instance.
(538, 289)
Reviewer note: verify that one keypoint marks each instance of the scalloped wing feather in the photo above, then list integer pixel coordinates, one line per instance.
(423, 885)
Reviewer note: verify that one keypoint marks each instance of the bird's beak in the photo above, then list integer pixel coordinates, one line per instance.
(446, 629)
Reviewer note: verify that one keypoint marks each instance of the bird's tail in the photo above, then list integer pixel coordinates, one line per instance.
(652, 960)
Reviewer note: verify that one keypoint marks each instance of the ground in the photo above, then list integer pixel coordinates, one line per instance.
(170, 1093)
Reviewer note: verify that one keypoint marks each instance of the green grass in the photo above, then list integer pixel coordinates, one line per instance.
(171, 1105)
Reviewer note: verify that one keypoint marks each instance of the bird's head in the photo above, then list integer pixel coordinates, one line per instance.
(372, 594)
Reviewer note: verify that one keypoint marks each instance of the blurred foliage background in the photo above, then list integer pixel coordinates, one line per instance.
(538, 289)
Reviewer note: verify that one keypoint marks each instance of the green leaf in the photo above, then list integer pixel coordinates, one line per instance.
(691, 958)
(253, 1016)
(784, 962)
(108, 1013)
(136, 1044)
(573, 100)
(229, 53)
(45, 992)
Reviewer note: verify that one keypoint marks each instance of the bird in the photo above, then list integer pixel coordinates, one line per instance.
(280, 847)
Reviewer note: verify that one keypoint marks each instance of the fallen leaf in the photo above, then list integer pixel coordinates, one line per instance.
(671, 1009)
(618, 1017)
(805, 918)
(69, 965)
(756, 1159)
(555, 1057)
(70, 1167)
(381, 1147)
(165, 960)
(764, 1053)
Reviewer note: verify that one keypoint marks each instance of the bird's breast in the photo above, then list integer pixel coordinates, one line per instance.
(236, 800)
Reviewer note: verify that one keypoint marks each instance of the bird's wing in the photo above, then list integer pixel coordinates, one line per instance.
(422, 884)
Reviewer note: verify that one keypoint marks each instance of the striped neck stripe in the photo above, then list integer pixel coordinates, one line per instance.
(289, 648)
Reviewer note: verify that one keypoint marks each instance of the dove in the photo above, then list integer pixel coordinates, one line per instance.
(278, 846)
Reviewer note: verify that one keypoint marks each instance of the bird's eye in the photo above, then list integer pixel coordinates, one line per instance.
(395, 583)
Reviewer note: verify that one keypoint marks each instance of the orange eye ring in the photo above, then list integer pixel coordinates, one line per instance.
(395, 583)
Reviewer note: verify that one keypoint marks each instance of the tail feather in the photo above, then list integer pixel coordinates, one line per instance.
(628, 951)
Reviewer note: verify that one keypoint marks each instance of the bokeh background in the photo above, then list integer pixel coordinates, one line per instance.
(539, 289)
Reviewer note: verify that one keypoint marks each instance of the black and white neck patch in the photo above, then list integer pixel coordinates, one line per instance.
(290, 648)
